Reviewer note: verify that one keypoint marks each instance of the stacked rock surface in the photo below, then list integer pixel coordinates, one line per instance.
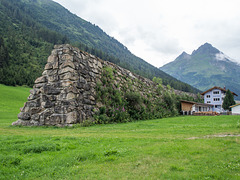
(64, 94)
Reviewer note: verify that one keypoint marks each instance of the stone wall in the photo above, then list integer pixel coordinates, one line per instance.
(65, 93)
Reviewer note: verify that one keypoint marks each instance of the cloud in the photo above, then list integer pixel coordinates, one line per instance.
(158, 31)
(221, 57)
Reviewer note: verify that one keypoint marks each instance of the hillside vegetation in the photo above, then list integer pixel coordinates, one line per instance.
(29, 29)
(175, 148)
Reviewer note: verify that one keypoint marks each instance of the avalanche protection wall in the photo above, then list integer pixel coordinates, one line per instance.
(65, 94)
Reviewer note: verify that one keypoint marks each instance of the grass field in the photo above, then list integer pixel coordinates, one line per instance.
(184, 147)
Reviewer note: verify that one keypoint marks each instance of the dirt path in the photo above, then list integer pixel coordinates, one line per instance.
(215, 135)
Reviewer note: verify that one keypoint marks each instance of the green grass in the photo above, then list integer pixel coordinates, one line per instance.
(173, 148)
(11, 100)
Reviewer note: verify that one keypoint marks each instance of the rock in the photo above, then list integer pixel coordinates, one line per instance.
(90, 64)
(100, 65)
(53, 78)
(66, 70)
(67, 64)
(95, 70)
(52, 72)
(52, 59)
(34, 91)
(69, 76)
(71, 89)
(21, 122)
(91, 98)
(32, 97)
(66, 83)
(86, 101)
(56, 119)
(72, 118)
(70, 96)
(34, 123)
(24, 116)
(33, 103)
(35, 117)
(41, 79)
(55, 65)
(34, 110)
(48, 89)
(47, 104)
(87, 87)
(82, 80)
(66, 57)
(48, 66)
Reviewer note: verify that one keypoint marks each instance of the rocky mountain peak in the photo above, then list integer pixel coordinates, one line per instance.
(206, 68)
(206, 49)
(183, 56)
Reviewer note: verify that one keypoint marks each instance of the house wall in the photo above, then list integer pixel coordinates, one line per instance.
(236, 110)
(215, 99)
(200, 108)
(186, 106)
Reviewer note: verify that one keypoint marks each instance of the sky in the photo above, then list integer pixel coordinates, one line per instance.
(160, 30)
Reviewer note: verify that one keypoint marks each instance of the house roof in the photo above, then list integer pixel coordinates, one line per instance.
(192, 102)
(234, 105)
(215, 87)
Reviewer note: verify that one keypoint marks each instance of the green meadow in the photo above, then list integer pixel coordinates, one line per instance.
(184, 147)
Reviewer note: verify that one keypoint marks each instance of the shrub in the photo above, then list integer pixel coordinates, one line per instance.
(107, 73)
(102, 110)
(133, 99)
(87, 123)
(119, 114)
(102, 119)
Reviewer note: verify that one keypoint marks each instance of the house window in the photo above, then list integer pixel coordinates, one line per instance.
(208, 102)
(216, 99)
(208, 96)
(216, 106)
(215, 92)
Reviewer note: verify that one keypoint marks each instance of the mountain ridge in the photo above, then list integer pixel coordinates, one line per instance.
(204, 68)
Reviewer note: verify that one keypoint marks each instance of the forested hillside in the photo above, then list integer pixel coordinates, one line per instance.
(24, 45)
(29, 29)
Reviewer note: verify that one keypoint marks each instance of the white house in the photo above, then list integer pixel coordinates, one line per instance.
(235, 109)
(215, 96)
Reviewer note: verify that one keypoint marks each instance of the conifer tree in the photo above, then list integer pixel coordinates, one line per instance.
(228, 100)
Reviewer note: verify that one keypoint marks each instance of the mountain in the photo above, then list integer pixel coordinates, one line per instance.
(204, 68)
(30, 28)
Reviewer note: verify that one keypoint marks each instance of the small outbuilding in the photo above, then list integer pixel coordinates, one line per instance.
(235, 109)
(195, 108)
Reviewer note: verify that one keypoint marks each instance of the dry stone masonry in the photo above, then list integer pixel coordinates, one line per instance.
(65, 93)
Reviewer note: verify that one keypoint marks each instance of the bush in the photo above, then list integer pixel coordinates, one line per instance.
(87, 123)
(102, 119)
(119, 114)
(133, 99)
